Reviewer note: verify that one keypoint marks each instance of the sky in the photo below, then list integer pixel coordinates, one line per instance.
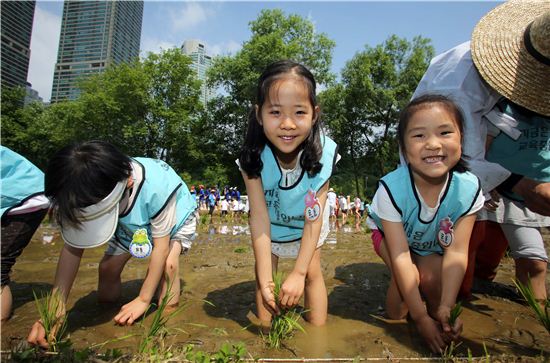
(224, 26)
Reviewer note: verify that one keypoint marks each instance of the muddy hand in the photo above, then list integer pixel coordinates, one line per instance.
(268, 298)
(131, 311)
(431, 333)
(292, 290)
(37, 335)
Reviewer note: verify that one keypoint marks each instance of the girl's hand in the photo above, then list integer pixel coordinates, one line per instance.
(37, 335)
(443, 315)
(452, 333)
(431, 333)
(268, 298)
(292, 289)
(131, 311)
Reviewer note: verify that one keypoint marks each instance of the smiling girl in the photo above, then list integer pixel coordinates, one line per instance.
(424, 214)
(286, 163)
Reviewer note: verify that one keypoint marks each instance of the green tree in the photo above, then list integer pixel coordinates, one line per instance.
(363, 109)
(12, 124)
(147, 107)
(35, 131)
(275, 36)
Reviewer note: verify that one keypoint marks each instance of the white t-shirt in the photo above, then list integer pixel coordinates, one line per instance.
(343, 203)
(235, 205)
(331, 198)
(163, 223)
(384, 208)
(224, 205)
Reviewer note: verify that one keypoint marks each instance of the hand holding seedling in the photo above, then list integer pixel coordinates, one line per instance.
(48, 331)
(131, 311)
(292, 290)
(451, 325)
(430, 331)
(268, 298)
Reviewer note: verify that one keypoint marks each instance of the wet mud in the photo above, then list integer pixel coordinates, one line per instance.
(218, 293)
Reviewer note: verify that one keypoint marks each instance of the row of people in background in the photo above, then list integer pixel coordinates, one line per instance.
(210, 197)
(344, 206)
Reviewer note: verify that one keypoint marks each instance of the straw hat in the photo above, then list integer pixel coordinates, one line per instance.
(511, 50)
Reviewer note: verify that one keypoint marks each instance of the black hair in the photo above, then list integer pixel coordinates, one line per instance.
(255, 140)
(80, 175)
(425, 101)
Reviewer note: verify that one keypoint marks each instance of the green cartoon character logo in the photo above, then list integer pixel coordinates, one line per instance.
(141, 246)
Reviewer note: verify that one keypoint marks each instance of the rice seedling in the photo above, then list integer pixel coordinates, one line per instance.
(455, 313)
(541, 309)
(153, 337)
(448, 355)
(470, 356)
(284, 324)
(487, 355)
(52, 314)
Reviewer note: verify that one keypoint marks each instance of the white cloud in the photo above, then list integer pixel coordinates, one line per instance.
(223, 48)
(191, 15)
(155, 45)
(44, 44)
(311, 19)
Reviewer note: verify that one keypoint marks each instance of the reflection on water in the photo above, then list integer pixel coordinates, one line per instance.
(236, 230)
(231, 230)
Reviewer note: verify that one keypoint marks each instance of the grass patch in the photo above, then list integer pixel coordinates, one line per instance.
(241, 250)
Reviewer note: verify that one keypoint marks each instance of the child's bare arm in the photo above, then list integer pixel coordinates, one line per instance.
(260, 230)
(293, 287)
(137, 307)
(67, 267)
(405, 276)
(455, 260)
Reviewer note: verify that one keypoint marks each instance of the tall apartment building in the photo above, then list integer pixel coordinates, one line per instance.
(16, 30)
(201, 63)
(94, 35)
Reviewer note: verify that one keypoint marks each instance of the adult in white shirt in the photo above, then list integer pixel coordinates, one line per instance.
(506, 67)
(343, 208)
(224, 207)
(331, 200)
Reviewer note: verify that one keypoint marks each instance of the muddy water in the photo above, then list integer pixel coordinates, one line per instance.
(219, 269)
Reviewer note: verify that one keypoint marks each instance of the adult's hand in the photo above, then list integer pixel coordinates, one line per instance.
(535, 194)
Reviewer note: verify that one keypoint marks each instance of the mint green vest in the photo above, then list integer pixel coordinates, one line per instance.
(20, 179)
(286, 205)
(160, 182)
(457, 201)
